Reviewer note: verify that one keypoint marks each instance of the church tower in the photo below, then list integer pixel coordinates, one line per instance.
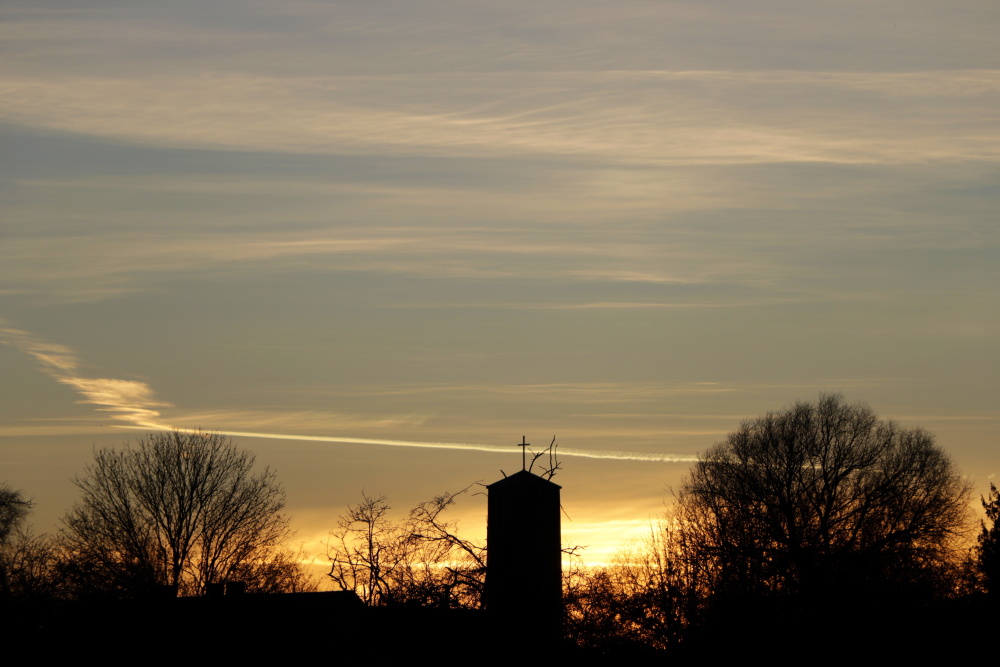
(524, 555)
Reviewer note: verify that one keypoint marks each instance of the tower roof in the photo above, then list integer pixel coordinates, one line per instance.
(523, 478)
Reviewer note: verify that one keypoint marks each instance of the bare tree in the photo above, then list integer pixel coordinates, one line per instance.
(988, 549)
(648, 596)
(26, 560)
(13, 510)
(818, 516)
(453, 569)
(822, 496)
(280, 572)
(419, 560)
(365, 549)
(29, 566)
(175, 509)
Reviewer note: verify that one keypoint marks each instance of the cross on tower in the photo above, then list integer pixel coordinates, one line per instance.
(524, 449)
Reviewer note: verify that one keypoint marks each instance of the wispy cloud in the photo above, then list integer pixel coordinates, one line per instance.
(299, 421)
(638, 117)
(128, 401)
(121, 262)
(134, 404)
(776, 83)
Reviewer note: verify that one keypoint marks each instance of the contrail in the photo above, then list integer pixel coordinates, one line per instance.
(467, 446)
(135, 404)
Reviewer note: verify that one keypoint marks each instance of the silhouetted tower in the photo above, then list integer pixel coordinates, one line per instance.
(524, 556)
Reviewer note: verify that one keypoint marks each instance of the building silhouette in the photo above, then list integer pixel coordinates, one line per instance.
(524, 557)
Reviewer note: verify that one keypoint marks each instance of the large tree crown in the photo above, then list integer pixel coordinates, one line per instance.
(824, 485)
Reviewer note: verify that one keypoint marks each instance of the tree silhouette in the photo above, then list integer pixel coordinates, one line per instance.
(419, 560)
(820, 519)
(647, 598)
(988, 551)
(13, 510)
(178, 510)
(821, 498)
(26, 560)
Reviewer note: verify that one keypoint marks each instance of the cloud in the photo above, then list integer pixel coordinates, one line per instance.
(783, 82)
(135, 404)
(615, 117)
(299, 420)
(53, 357)
(129, 401)
(112, 264)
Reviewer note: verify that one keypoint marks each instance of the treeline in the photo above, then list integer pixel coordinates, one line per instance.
(171, 514)
(816, 519)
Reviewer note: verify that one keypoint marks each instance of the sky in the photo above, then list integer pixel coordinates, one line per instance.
(381, 241)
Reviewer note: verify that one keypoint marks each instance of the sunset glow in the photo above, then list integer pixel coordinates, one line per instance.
(379, 243)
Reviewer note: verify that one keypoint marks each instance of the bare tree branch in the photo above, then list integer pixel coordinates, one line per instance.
(419, 560)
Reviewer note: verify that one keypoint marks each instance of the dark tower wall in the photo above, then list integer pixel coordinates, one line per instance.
(524, 555)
